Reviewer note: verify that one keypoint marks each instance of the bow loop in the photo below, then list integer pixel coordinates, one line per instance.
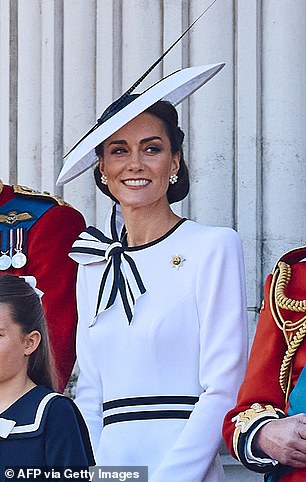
(113, 249)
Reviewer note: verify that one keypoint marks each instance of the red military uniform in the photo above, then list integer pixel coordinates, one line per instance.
(276, 360)
(43, 244)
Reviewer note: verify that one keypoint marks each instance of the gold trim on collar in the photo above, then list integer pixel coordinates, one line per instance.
(1, 186)
(24, 190)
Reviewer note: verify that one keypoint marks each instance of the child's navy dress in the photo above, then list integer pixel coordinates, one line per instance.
(43, 429)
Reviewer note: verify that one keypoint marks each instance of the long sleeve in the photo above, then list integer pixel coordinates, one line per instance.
(89, 395)
(260, 385)
(221, 306)
(262, 394)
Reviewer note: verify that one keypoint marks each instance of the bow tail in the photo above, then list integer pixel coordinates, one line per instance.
(127, 300)
(131, 286)
(130, 266)
(102, 290)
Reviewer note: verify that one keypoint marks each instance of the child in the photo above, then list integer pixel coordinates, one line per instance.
(38, 426)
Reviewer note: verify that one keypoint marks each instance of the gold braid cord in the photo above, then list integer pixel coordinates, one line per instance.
(294, 332)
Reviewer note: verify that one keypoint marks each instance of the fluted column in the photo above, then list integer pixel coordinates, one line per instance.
(284, 127)
(79, 92)
(29, 93)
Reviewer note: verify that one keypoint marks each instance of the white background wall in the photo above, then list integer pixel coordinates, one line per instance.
(62, 62)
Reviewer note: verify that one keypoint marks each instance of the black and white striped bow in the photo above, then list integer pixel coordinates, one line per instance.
(120, 274)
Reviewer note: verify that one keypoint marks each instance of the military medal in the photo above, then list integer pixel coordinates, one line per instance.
(19, 259)
(5, 259)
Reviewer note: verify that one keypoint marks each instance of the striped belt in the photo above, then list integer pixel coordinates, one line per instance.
(148, 408)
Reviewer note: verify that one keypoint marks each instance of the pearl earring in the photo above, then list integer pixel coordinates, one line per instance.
(173, 178)
(104, 179)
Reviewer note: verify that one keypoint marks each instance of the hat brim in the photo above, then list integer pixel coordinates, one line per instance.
(173, 88)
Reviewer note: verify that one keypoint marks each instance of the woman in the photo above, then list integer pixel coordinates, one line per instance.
(162, 318)
(38, 427)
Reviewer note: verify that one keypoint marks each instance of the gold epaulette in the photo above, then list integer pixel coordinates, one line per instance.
(293, 331)
(247, 420)
(27, 191)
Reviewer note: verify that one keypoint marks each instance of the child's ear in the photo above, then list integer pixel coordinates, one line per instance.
(32, 340)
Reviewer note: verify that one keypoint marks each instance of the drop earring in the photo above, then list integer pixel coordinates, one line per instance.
(173, 178)
(104, 179)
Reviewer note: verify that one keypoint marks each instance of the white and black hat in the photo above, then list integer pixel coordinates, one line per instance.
(174, 88)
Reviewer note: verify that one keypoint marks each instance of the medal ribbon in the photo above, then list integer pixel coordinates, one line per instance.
(19, 240)
(120, 275)
(19, 259)
(11, 242)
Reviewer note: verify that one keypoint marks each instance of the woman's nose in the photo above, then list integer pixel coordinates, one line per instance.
(135, 160)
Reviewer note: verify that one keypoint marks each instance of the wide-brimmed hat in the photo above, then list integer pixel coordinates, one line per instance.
(174, 88)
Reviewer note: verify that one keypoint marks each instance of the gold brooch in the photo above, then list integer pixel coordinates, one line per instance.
(177, 261)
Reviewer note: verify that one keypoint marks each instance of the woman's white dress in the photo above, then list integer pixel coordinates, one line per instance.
(168, 376)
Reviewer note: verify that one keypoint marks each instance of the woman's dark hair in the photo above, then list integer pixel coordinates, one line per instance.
(27, 312)
(167, 113)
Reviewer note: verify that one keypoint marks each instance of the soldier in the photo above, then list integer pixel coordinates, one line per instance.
(36, 234)
(266, 430)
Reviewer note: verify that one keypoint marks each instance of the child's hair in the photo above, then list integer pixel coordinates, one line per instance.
(27, 312)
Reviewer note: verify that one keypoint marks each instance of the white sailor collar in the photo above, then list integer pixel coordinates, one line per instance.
(9, 427)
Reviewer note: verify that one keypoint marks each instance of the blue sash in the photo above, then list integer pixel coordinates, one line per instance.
(35, 207)
(297, 398)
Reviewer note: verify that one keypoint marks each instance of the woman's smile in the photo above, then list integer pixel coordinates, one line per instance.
(136, 182)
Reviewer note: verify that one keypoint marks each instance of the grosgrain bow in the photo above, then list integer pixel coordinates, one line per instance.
(120, 274)
(6, 426)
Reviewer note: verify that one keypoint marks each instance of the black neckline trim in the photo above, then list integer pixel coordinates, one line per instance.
(156, 241)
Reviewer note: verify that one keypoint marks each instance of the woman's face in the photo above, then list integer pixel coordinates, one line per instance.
(138, 162)
(15, 346)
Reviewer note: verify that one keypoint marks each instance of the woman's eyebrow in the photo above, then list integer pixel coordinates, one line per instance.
(143, 141)
(118, 142)
(149, 139)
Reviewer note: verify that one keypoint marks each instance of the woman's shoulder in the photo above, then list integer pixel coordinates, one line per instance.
(215, 234)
